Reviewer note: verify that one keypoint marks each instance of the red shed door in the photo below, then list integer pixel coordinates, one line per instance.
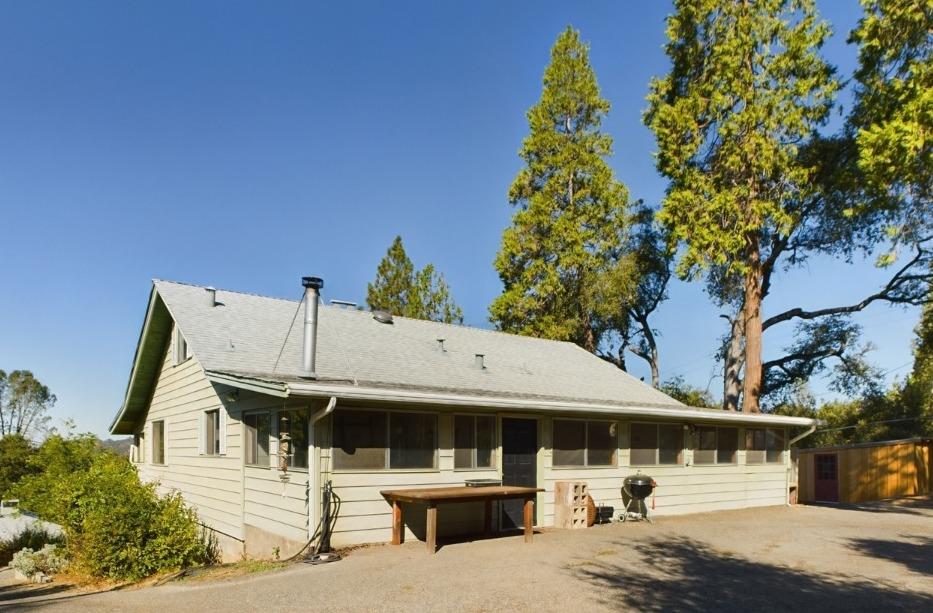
(826, 479)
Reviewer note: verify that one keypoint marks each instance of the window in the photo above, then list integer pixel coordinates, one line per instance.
(656, 444)
(584, 443)
(764, 445)
(715, 445)
(211, 433)
(379, 440)
(257, 439)
(181, 350)
(158, 442)
(139, 441)
(295, 423)
(474, 439)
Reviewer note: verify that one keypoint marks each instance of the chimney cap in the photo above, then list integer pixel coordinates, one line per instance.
(312, 282)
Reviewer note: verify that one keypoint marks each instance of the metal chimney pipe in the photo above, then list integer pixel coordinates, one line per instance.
(312, 287)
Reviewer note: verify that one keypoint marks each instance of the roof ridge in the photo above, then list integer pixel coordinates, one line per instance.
(362, 312)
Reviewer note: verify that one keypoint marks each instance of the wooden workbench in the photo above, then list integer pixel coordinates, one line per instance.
(431, 497)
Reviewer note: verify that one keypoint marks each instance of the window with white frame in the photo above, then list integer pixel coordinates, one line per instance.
(584, 443)
(295, 423)
(380, 440)
(158, 442)
(474, 441)
(212, 432)
(656, 444)
(258, 433)
(181, 350)
(764, 446)
(713, 445)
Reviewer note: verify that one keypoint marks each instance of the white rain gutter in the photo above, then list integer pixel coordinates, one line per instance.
(314, 480)
(351, 392)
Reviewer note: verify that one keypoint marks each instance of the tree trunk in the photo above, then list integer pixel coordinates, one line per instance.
(751, 391)
(732, 364)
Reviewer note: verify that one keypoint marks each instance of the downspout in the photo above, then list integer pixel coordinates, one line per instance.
(790, 443)
(314, 479)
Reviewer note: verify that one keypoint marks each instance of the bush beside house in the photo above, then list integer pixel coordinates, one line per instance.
(115, 527)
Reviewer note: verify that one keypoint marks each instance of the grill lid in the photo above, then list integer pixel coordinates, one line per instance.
(639, 480)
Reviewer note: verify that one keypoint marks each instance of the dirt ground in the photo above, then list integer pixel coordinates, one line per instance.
(871, 557)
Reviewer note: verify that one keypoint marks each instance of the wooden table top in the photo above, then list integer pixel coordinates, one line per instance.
(460, 493)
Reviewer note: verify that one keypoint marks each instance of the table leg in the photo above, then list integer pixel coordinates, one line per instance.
(398, 526)
(431, 527)
(487, 523)
(529, 518)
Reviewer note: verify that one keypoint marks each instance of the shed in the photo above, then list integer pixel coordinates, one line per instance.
(866, 471)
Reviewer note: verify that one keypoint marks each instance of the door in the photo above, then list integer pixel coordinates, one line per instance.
(519, 465)
(826, 477)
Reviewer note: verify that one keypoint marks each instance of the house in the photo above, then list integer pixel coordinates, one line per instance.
(863, 472)
(227, 389)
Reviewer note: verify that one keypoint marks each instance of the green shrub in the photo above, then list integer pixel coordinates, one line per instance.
(116, 526)
(47, 560)
(33, 537)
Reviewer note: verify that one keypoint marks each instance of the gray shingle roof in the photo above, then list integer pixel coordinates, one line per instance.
(258, 336)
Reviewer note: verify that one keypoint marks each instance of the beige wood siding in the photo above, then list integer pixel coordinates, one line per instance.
(277, 507)
(213, 485)
(366, 517)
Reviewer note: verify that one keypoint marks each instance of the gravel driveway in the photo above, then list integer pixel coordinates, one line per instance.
(873, 557)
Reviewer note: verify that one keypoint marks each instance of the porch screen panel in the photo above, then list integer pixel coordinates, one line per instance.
(775, 451)
(601, 443)
(360, 439)
(704, 450)
(569, 442)
(670, 444)
(464, 434)
(727, 446)
(485, 441)
(298, 430)
(755, 445)
(644, 445)
(412, 440)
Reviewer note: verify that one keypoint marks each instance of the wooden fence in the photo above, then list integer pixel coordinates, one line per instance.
(871, 471)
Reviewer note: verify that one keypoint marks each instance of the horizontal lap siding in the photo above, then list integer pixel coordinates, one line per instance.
(212, 485)
(365, 516)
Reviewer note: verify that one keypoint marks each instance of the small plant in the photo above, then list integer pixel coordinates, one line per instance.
(275, 552)
(34, 537)
(47, 560)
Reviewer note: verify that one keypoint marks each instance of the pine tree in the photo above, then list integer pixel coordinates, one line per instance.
(406, 292)
(559, 260)
(746, 87)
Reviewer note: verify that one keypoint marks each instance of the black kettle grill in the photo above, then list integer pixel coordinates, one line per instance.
(637, 488)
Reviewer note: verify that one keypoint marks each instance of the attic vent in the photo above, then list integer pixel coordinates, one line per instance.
(383, 317)
(343, 304)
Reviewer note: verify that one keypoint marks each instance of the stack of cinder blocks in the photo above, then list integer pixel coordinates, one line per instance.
(570, 504)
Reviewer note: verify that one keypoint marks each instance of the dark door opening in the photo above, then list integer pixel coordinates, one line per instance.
(825, 477)
(519, 465)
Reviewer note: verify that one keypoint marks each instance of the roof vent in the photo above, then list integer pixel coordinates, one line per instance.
(211, 296)
(343, 304)
(440, 344)
(479, 360)
(383, 317)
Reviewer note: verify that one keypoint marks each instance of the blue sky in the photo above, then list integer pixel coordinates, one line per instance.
(243, 145)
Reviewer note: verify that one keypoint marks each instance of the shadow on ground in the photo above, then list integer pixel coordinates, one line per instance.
(914, 552)
(26, 590)
(919, 505)
(677, 574)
